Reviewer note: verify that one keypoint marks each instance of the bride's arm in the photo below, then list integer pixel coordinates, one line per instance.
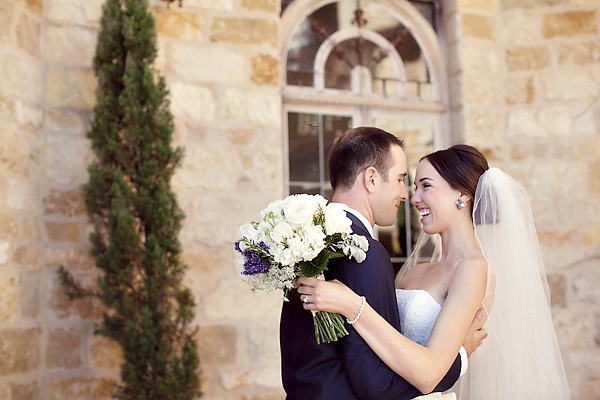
(422, 366)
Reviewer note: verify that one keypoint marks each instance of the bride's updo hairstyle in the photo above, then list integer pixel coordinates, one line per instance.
(461, 166)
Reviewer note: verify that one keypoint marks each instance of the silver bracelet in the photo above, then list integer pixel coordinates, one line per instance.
(362, 307)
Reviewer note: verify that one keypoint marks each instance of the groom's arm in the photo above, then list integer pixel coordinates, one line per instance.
(369, 376)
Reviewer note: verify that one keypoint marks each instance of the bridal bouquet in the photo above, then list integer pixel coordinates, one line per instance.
(297, 236)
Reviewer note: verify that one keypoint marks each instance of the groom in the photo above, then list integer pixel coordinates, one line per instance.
(367, 167)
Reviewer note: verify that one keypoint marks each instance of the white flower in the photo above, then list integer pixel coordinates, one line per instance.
(281, 231)
(249, 232)
(336, 220)
(300, 209)
(356, 246)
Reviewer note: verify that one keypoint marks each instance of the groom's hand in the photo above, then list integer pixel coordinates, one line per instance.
(476, 333)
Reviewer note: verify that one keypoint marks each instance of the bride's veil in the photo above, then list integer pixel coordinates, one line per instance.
(520, 359)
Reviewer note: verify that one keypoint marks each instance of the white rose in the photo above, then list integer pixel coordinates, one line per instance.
(300, 209)
(336, 220)
(247, 231)
(281, 231)
(274, 207)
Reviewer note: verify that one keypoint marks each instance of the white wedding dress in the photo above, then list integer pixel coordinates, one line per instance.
(418, 312)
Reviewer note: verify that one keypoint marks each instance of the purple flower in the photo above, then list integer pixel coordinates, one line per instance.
(255, 264)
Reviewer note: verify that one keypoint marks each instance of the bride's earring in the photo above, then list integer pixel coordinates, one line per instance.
(460, 204)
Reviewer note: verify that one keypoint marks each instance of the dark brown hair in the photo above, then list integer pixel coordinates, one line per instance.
(461, 166)
(358, 149)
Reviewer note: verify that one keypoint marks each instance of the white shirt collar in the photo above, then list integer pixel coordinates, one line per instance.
(360, 217)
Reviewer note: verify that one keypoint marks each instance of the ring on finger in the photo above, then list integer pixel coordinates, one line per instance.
(305, 299)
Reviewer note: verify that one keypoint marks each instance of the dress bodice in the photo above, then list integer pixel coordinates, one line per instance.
(418, 312)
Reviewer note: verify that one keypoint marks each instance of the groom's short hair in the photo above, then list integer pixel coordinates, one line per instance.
(358, 149)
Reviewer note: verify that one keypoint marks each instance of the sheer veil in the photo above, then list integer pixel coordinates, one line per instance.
(520, 359)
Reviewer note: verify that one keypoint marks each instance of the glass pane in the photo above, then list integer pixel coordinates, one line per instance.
(418, 135)
(303, 147)
(349, 54)
(310, 138)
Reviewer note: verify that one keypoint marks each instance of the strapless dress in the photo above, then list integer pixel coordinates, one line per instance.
(418, 312)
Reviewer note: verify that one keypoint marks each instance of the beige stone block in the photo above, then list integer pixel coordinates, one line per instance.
(265, 377)
(477, 26)
(590, 237)
(480, 57)
(528, 57)
(105, 353)
(261, 346)
(74, 11)
(236, 300)
(511, 4)
(64, 122)
(593, 175)
(99, 388)
(568, 84)
(245, 31)
(221, 5)
(28, 116)
(63, 348)
(481, 90)
(59, 307)
(71, 88)
(34, 6)
(265, 70)
(65, 232)
(478, 5)
(19, 350)
(558, 290)
(586, 122)
(261, 107)
(21, 77)
(9, 298)
(208, 258)
(584, 289)
(520, 28)
(261, 5)
(70, 45)
(483, 125)
(217, 344)
(192, 102)
(570, 23)
(66, 160)
(29, 298)
(176, 23)
(75, 259)
(66, 203)
(519, 90)
(574, 330)
(27, 32)
(25, 391)
(4, 251)
(582, 148)
(585, 3)
(209, 64)
(557, 238)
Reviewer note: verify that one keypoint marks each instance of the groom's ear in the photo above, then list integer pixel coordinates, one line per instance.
(370, 179)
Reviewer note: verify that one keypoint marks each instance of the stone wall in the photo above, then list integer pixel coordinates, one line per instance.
(525, 82)
(524, 79)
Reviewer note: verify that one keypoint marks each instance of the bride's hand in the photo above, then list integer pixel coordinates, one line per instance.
(332, 296)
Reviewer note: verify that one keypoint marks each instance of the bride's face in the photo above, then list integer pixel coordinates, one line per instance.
(434, 198)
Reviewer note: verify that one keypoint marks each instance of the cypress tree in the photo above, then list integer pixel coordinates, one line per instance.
(135, 215)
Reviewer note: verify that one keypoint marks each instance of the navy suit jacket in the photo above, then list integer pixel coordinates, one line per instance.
(347, 369)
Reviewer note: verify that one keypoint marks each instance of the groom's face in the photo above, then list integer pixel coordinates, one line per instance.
(392, 191)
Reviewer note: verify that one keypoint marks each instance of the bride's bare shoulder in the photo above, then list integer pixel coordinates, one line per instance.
(414, 274)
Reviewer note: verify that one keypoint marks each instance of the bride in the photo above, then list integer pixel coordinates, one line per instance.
(487, 258)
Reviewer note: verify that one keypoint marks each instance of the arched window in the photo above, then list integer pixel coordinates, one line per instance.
(348, 63)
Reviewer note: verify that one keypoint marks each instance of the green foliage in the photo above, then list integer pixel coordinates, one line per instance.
(135, 215)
